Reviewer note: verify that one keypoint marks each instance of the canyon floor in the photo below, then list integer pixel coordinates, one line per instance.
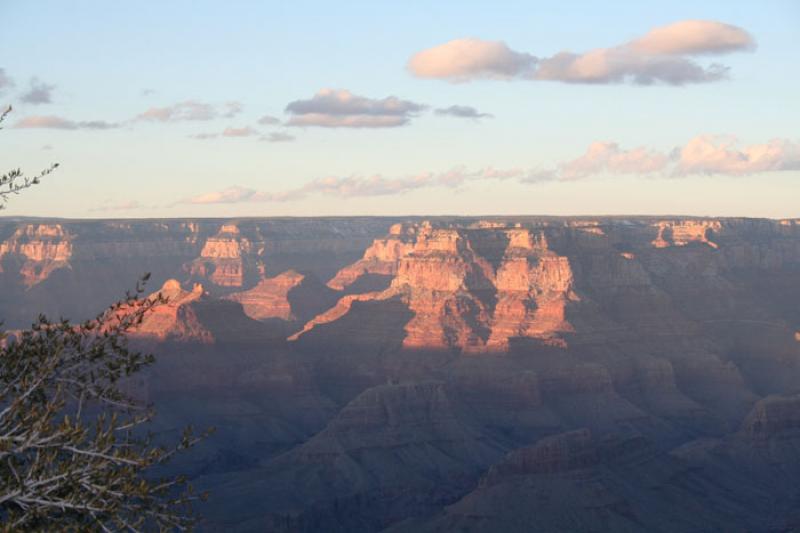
(455, 374)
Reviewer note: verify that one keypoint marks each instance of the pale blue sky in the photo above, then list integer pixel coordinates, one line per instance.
(101, 57)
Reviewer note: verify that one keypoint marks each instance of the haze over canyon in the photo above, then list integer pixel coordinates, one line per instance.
(471, 374)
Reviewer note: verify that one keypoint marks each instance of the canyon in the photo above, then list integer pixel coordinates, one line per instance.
(455, 373)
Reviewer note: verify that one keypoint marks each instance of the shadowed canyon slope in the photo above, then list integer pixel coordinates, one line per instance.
(497, 374)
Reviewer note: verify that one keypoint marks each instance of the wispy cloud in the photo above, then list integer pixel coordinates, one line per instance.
(663, 55)
(245, 131)
(278, 137)
(462, 111)
(364, 186)
(190, 110)
(331, 108)
(38, 93)
(701, 155)
(269, 120)
(236, 194)
(131, 205)
(61, 123)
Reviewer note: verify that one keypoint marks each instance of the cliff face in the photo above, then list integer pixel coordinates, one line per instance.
(76, 268)
(269, 298)
(476, 286)
(40, 248)
(381, 258)
(226, 258)
(174, 320)
(457, 374)
(469, 288)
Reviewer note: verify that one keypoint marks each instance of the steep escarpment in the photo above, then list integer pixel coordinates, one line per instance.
(75, 268)
(458, 373)
(380, 260)
(470, 288)
(35, 251)
(226, 258)
(174, 319)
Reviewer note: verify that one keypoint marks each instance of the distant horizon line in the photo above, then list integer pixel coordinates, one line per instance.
(11, 218)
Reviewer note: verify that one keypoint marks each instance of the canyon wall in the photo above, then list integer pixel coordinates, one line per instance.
(479, 374)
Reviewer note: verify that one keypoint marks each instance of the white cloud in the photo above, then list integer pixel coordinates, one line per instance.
(701, 155)
(603, 156)
(704, 154)
(694, 37)
(468, 59)
(331, 108)
(662, 55)
(707, 154)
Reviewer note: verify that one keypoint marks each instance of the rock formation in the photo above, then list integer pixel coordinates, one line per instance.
(269, 298)
(472, 289)
(175, 319)
(476, 374)
(224, 258)
(42, 249)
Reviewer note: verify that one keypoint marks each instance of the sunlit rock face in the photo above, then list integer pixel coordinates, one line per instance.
(224, 258)
(475, 286)
(41, 248)
(467, 374)
(269, 298)
(681, 232)
(471, 288)
(381, 258)
(175, 319)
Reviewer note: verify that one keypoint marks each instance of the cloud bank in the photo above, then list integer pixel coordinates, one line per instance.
(363, 186)
(663, 55)
(711, 155)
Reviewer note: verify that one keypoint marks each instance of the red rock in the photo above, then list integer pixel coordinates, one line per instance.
(382, 257)
(44, 248)
(175, 319)
(681, 233)
(457, 297)
(222, 259)
(269, 298)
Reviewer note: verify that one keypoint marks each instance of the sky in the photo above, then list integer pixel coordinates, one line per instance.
(233, 109)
